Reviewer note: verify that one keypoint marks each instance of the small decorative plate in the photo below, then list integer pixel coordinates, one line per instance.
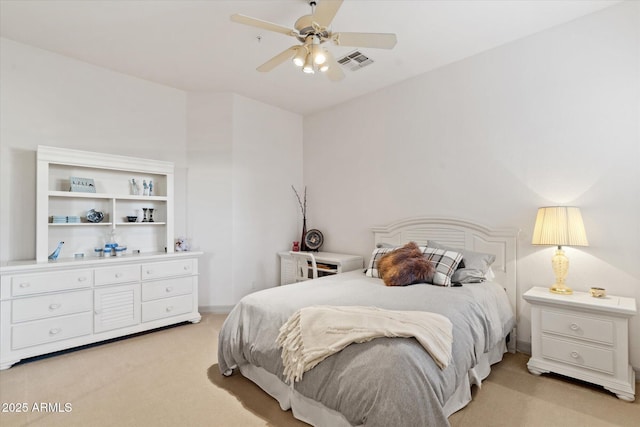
(313, 239)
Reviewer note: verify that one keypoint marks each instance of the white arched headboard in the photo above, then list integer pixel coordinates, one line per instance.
(462, 234)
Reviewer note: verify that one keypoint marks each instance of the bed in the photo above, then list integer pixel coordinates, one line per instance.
(385, 381)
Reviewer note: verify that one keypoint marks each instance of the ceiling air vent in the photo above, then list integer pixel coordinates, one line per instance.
(355, 60)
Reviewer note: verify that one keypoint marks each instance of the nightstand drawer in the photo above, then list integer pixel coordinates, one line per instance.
(25, 309)
(575, 326)
(599, 359)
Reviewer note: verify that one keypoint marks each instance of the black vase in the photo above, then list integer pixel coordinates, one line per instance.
(303, 245)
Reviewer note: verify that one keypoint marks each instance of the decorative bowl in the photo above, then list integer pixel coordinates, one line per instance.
(598, 292)
(94, 216)
(132, 218)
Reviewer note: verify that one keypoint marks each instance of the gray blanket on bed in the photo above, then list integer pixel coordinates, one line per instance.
(384, 382)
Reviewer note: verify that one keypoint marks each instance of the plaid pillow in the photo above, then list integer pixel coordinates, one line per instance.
(372, 270)
(445, 262)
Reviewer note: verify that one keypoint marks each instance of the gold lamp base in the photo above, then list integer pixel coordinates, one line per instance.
(560, 289)
(560, 264)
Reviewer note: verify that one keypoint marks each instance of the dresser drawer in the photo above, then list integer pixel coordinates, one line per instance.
(41, 307)
(167, 288)
(118, 274)
(166, 307)
(50, 330)
(30, 284)
(572, 325)
(585, 356)
(167, 269)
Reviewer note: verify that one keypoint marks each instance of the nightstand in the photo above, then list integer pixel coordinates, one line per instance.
(582, 337)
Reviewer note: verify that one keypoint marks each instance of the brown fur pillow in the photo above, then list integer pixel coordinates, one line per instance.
(405, 266)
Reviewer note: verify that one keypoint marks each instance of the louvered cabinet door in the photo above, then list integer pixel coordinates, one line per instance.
(116, 307)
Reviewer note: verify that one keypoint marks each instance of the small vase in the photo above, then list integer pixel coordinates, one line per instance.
(303, 245)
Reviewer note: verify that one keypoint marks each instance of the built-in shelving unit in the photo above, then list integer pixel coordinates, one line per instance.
(114, 197)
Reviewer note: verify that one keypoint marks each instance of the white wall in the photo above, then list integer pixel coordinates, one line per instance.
(549, 119)
(49, 99)
(233, 177)
(243, 158)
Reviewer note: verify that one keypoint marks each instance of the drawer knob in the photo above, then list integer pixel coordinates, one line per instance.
(186, 268)
(82, 279)
(55, 331)
(149, 271)
(575, 354)
(118, 275)
(169, 289)
(574, 327)
(169, 309)
(54, 306)
(25, 285)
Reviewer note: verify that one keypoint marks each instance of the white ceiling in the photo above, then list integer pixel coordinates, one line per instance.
(192, 45)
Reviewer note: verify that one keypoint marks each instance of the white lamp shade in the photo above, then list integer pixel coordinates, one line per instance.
(299, 57)
(318, 55)
(559, 226)
(308, 65)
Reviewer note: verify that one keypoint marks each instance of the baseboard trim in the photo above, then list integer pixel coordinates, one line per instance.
(215, 309)
(523, 347)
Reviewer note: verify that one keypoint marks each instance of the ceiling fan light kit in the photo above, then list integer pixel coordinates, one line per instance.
(312, 31)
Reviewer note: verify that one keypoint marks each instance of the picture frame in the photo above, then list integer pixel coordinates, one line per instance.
(82, 185)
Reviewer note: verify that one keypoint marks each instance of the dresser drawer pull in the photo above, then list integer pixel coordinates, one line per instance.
(82, 279)
(186, 268)
(169, 309)
(55, 331)
(118, 275)
(169, 289)
(574, 327)
(54, 306)
(149, 272)
(575, 354)
(25, 285)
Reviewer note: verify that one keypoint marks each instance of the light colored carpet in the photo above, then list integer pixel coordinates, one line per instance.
(170, 378)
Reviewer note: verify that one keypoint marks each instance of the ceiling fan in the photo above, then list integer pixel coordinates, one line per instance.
(312, 31)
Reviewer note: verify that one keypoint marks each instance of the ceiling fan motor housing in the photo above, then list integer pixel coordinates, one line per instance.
(304, 26)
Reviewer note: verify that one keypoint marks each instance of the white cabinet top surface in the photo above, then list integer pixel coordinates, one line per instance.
(33, 266)
(610, 303)
(329, 257)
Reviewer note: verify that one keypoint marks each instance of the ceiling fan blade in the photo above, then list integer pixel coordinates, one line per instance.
(325, 12)
(265, 25)
(375, 40)
(278, 59)
(334, 73)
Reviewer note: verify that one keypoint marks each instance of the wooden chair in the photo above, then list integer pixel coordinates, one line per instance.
(304, 263)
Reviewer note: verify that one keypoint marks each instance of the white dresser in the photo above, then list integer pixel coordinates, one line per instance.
(47, 307)
(328, 263)
(582, 337)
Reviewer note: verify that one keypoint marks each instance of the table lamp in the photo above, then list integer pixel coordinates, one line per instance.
(559, 226)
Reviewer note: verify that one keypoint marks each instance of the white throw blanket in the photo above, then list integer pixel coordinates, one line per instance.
(314, 333)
